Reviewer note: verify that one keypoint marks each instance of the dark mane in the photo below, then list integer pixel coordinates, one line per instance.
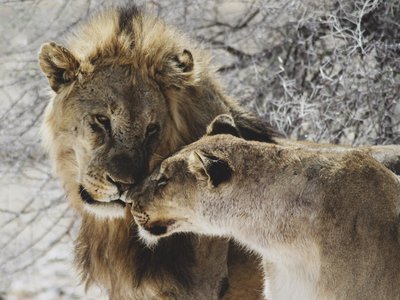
(254, 128)
(173, 258)
(126, 15)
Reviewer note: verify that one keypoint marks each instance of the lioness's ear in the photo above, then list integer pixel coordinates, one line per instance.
(58, 64)
(209, 168)
(223, 124)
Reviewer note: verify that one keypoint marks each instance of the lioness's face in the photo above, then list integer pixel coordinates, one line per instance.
(107, 129)
(165, 202)
(174, 197)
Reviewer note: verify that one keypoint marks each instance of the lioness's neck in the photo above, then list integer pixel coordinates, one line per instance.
(272, 183)
(292, 271)
(269, 226)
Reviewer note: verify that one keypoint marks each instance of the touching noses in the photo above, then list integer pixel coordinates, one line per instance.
(140, 193)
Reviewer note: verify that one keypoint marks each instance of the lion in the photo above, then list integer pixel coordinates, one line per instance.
(326, 224)
(128, 91)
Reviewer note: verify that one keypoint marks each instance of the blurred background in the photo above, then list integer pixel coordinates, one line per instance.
(327, 71)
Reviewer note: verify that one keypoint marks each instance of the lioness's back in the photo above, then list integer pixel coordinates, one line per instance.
(359, 228)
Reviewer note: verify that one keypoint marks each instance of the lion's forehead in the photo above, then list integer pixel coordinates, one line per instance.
(115, 82)
(130, 107)
(130, 104)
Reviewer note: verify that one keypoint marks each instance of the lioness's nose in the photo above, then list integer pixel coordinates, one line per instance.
(140, 192)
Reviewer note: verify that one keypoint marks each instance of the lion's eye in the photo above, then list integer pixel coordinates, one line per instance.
(104, 121)
(152, 129)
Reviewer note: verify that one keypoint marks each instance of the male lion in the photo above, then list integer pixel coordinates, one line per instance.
(129, 91)
(326, 224)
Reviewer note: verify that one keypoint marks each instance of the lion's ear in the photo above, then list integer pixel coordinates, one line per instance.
(177, 71)
(223, 124)
(184, 61)
(209, 168)
(58, 64)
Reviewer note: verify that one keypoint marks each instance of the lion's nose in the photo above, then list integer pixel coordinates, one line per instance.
(125, 169)
(121, 186)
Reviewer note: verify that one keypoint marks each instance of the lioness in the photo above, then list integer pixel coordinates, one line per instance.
(128, 91)
(326, 224)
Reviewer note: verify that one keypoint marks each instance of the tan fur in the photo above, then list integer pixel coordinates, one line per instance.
(388, 155)
(326, 223)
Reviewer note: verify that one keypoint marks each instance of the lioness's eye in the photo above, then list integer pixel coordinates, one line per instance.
(103, 120)
(152, 129)
(162, 181)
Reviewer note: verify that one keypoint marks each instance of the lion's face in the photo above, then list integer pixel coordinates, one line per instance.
(112, 131)
(112, 119)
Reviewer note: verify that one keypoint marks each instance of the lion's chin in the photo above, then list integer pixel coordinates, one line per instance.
(108, 210)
